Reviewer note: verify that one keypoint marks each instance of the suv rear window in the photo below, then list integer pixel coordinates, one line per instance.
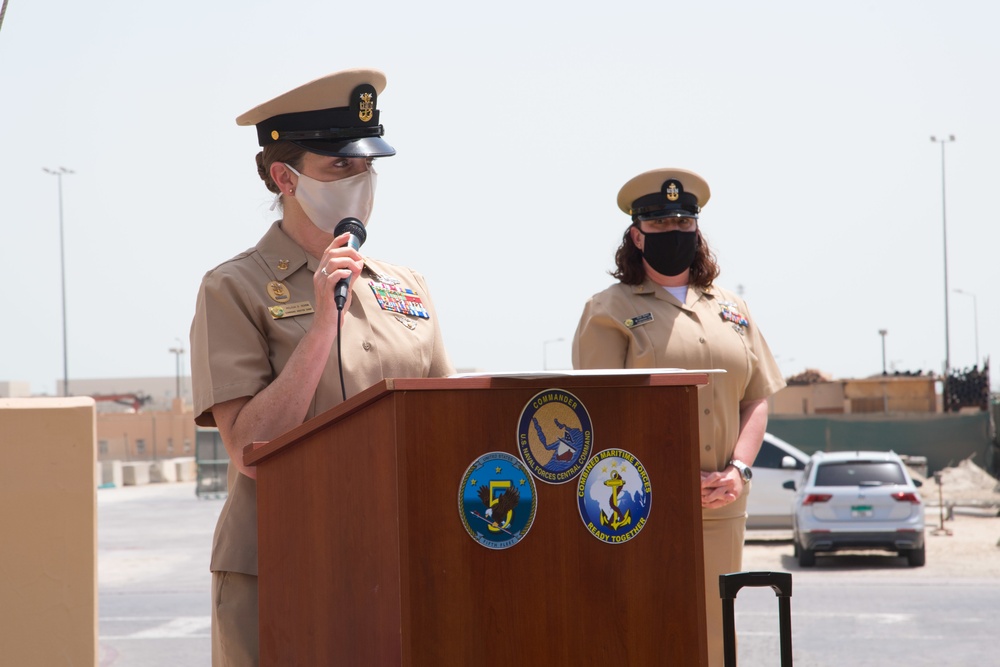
(858, 473)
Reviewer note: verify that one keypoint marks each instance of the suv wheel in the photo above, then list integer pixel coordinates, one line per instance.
(916, 557)
(807, 557)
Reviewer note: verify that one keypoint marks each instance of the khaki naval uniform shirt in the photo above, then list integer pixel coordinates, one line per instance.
(698, 334)
(238, 348)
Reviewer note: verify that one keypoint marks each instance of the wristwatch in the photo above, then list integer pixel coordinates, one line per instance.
(745, 472)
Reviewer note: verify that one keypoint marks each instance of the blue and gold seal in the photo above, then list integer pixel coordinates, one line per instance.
(614, 496)
(554, 436)
(497, 500)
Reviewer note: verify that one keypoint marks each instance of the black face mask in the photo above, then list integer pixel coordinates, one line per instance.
(670, 253)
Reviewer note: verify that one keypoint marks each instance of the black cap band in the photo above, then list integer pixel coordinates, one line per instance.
(657, 202)
(322, 124)
(333, 133)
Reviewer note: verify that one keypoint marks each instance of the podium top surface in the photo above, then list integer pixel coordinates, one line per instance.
(645, 377)
(684, 375)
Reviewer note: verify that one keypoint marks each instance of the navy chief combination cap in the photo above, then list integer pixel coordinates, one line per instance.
(664, 193)
(335, 115)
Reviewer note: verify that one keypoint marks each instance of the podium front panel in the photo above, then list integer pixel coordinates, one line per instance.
(364, 558)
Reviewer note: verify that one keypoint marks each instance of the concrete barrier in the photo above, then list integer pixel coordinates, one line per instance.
(187, 469)
(135, 473)
(132, 473)
(110, 473)
(162, 471)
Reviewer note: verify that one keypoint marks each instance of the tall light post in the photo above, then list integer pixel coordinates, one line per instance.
(58, 173)
(545, 352)
(177, 352)
(882, 333)
(975, 320)
(944, 227)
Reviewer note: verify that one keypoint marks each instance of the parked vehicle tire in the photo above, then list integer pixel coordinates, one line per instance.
(916, 557)
(807, 557)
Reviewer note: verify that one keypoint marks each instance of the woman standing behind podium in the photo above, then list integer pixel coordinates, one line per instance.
(666, 312)
(264, 338)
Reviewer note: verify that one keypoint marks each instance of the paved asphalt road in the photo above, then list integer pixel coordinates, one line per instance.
(154, 584)
(153, 579)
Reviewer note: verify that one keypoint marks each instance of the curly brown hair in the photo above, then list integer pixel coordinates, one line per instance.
(631, 271)
(279, 151)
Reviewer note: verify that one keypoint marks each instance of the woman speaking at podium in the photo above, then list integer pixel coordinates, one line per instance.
(264, 340)
(666, 312)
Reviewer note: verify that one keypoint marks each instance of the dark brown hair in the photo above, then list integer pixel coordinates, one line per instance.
(630, 270)
(279, 151)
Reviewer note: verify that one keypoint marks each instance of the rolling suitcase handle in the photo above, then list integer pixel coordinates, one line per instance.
(730, 585)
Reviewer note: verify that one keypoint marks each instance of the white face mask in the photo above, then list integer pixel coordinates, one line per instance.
(328, 202)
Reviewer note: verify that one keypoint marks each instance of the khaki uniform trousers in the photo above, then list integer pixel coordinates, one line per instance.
(235, 640)
(723, 543)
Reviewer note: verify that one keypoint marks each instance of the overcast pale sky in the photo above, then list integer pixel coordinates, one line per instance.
(515, 124)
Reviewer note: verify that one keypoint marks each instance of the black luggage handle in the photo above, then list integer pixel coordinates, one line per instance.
(781, 584)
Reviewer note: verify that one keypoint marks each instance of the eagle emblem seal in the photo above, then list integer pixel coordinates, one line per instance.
(497, 500)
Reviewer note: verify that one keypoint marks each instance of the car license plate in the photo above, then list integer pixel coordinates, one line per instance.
(861, 511)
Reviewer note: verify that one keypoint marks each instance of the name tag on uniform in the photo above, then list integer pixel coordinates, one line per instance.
(639, 320)
(290, 310)
(398, 299)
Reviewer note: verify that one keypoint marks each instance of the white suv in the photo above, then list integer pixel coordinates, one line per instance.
(769, 506)
(857, 500)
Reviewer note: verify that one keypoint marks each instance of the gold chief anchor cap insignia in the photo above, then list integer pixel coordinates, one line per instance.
(335, 115)
(663, 193)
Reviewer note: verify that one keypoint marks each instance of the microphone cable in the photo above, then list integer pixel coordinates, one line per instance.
(342, 290)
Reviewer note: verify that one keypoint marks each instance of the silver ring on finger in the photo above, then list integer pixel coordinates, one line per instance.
(323, 271)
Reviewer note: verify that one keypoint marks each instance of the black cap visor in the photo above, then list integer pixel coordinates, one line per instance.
(659, 215)
(363, 147)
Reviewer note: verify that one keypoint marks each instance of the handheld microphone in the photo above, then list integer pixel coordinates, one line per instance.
(358, 236)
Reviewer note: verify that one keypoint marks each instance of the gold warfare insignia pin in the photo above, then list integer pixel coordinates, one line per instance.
(277, 291)
(282, 264)
(366, 108)
(672, 192)
(406, 322)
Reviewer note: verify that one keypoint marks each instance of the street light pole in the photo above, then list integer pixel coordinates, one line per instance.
(975, 320)
(944, 227)
(177, 352)
(58, 173)
(882, 333)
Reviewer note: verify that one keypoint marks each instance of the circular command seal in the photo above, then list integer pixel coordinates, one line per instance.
(614, 496)
(497, 500)
(554, 436)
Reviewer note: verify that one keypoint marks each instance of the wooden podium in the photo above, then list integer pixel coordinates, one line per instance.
(364, 559)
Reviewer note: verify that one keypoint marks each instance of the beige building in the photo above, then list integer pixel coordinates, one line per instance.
(127, 394)
(138, 419)
(146, 435)
(881, 393)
